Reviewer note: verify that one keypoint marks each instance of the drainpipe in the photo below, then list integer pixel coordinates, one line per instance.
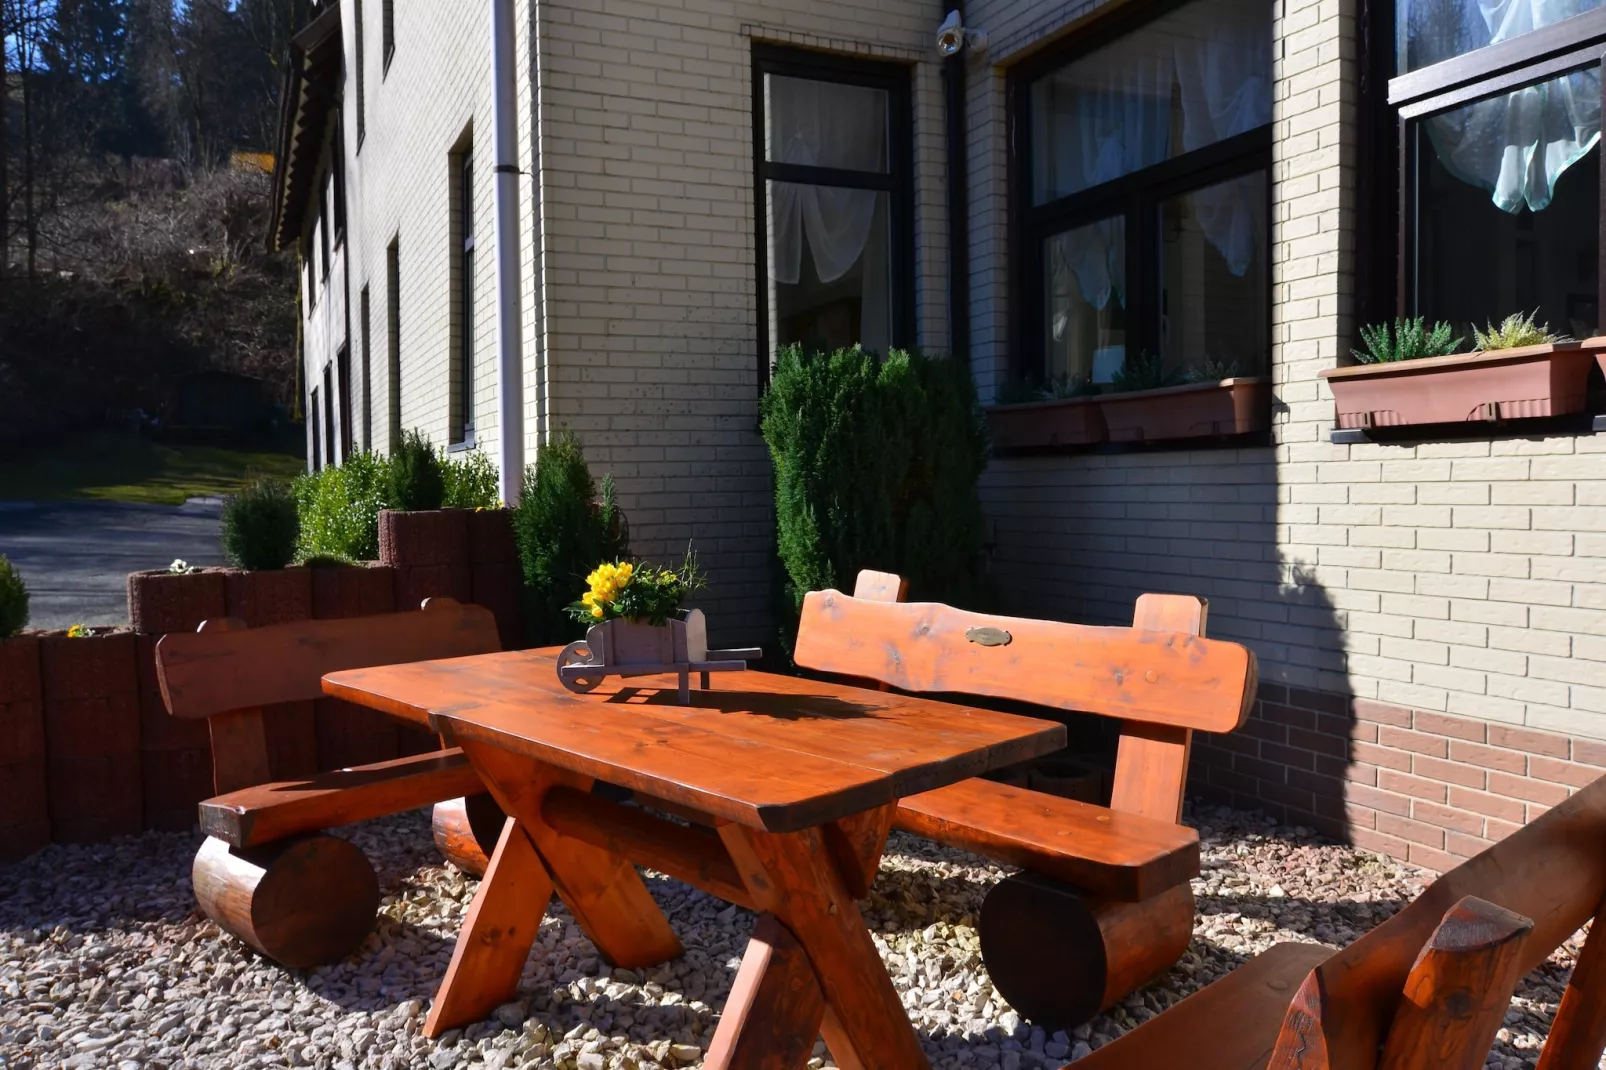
(510, 350)
(953, 80)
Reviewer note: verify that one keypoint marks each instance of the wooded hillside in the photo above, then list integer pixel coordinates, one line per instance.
(133, 204)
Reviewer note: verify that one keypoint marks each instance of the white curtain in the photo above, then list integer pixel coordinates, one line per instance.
(1518, 144)
(1197, 76)
(823, 124)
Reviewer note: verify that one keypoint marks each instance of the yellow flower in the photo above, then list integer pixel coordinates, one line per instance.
(596, 611)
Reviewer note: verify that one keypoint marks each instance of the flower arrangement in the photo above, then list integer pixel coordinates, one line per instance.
(80, 631)
(636, 591)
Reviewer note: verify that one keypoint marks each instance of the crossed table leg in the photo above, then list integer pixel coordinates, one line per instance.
(811, 967)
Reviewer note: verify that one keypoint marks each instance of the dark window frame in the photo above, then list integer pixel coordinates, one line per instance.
(1137, 196)
(393, 352)
(315, 419)
(365, 303)
(463, 327)
(343, 385)
(896, 79)
(357, 43)
(1537, 56)
(387, 20)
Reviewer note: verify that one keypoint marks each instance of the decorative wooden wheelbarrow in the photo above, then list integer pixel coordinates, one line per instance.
(632, 648)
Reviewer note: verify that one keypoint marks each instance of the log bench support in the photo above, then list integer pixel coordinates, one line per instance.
(267, 872)
(1104, 906)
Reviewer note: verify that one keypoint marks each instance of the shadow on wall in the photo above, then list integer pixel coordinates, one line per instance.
(1080, 538)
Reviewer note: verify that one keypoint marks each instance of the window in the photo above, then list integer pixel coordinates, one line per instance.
(324, 223)
(329, 417)
(834, 202)
(366, 326)
(1142, 170)
(337, 189)
(311, 264)
(343, 378)
(463, 276)
(362, 115)
(393, 337)
(387, 19)
(313, 420)
(1499, 110)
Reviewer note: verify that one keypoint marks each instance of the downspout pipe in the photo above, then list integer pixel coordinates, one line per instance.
(509, 318)
(953, 81)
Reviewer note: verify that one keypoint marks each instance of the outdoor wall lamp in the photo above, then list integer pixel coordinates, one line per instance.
(952, 37)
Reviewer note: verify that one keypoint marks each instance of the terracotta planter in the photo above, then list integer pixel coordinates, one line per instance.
(279, 596)
(1199, 410)
(1507, 384)
(1061, 422)
(424, 537)
(160, 601)
(25, 817)
(91, 704)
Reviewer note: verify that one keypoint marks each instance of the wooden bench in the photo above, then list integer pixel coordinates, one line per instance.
(1429, 987)
(267, 873)
(1104, 904)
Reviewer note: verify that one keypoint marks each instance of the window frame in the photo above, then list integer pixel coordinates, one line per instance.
(898, 182)
(1538, 56)
(463, 326)
(359, 51)
(387, 32)
(1137, 196)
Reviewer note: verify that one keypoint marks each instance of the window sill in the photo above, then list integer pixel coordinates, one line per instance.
(467, 443)
(1199, 412)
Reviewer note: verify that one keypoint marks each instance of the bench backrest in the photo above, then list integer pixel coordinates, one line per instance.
(1551, 872)
(226, 672)
(1161, 678)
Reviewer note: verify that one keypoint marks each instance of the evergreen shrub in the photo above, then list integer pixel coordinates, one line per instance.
(260, 526)
(416, 477)
(563, 532)
(339, 508)
(13, 600)
(470, 481)
(876, 466)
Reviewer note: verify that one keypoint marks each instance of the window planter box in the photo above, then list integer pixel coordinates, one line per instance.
(1235, 406)
(1060, 422)
(1507, 384)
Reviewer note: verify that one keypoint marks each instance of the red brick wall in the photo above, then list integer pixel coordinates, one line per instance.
(1422, 787)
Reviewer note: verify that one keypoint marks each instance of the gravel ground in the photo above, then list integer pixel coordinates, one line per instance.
(105, 963)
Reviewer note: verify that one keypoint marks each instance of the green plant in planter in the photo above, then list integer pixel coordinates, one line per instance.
(339, 509)
(1405, 339)
(1211, 371)
(1020, 392)
(470, 480)
(416, 479)
(626, 590)
(13, 600)
(1145, 371)
(562, 530)
(1071, 386)
(1517, 329)
(260, 526)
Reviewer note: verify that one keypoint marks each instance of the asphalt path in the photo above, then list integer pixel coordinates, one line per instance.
(75, 557)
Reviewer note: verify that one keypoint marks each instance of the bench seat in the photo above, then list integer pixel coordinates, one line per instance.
(1099, 851)
(1231, 1024)
(267, 812)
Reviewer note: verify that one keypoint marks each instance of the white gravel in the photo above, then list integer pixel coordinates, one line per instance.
(105, 963)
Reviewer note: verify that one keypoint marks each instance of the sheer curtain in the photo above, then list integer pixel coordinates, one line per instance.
(827, 124)
(1518, 144)
(1189, 79)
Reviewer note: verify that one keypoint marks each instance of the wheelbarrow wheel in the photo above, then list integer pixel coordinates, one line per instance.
(578, 653)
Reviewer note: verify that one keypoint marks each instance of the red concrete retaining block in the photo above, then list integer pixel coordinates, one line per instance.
(497, 587)
(414, 583)
(279, 597)
(347, 734)
(423, 537)
(24, 813)
(160, 601)
(490, 538)
(175, 755)
(91, 705)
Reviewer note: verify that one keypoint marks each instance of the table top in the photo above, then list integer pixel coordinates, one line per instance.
(775, 752)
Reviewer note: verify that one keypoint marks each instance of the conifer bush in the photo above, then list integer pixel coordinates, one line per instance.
(564, 527)
(339, 508)
(876, 466)
(416, 479)
(260, 526)
(13, 600)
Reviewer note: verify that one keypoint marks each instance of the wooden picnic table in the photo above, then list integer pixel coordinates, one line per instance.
(790, 785)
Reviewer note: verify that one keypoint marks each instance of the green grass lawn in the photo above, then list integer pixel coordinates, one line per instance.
(127, 468)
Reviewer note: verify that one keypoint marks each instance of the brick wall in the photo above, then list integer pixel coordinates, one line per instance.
(1415, 784)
